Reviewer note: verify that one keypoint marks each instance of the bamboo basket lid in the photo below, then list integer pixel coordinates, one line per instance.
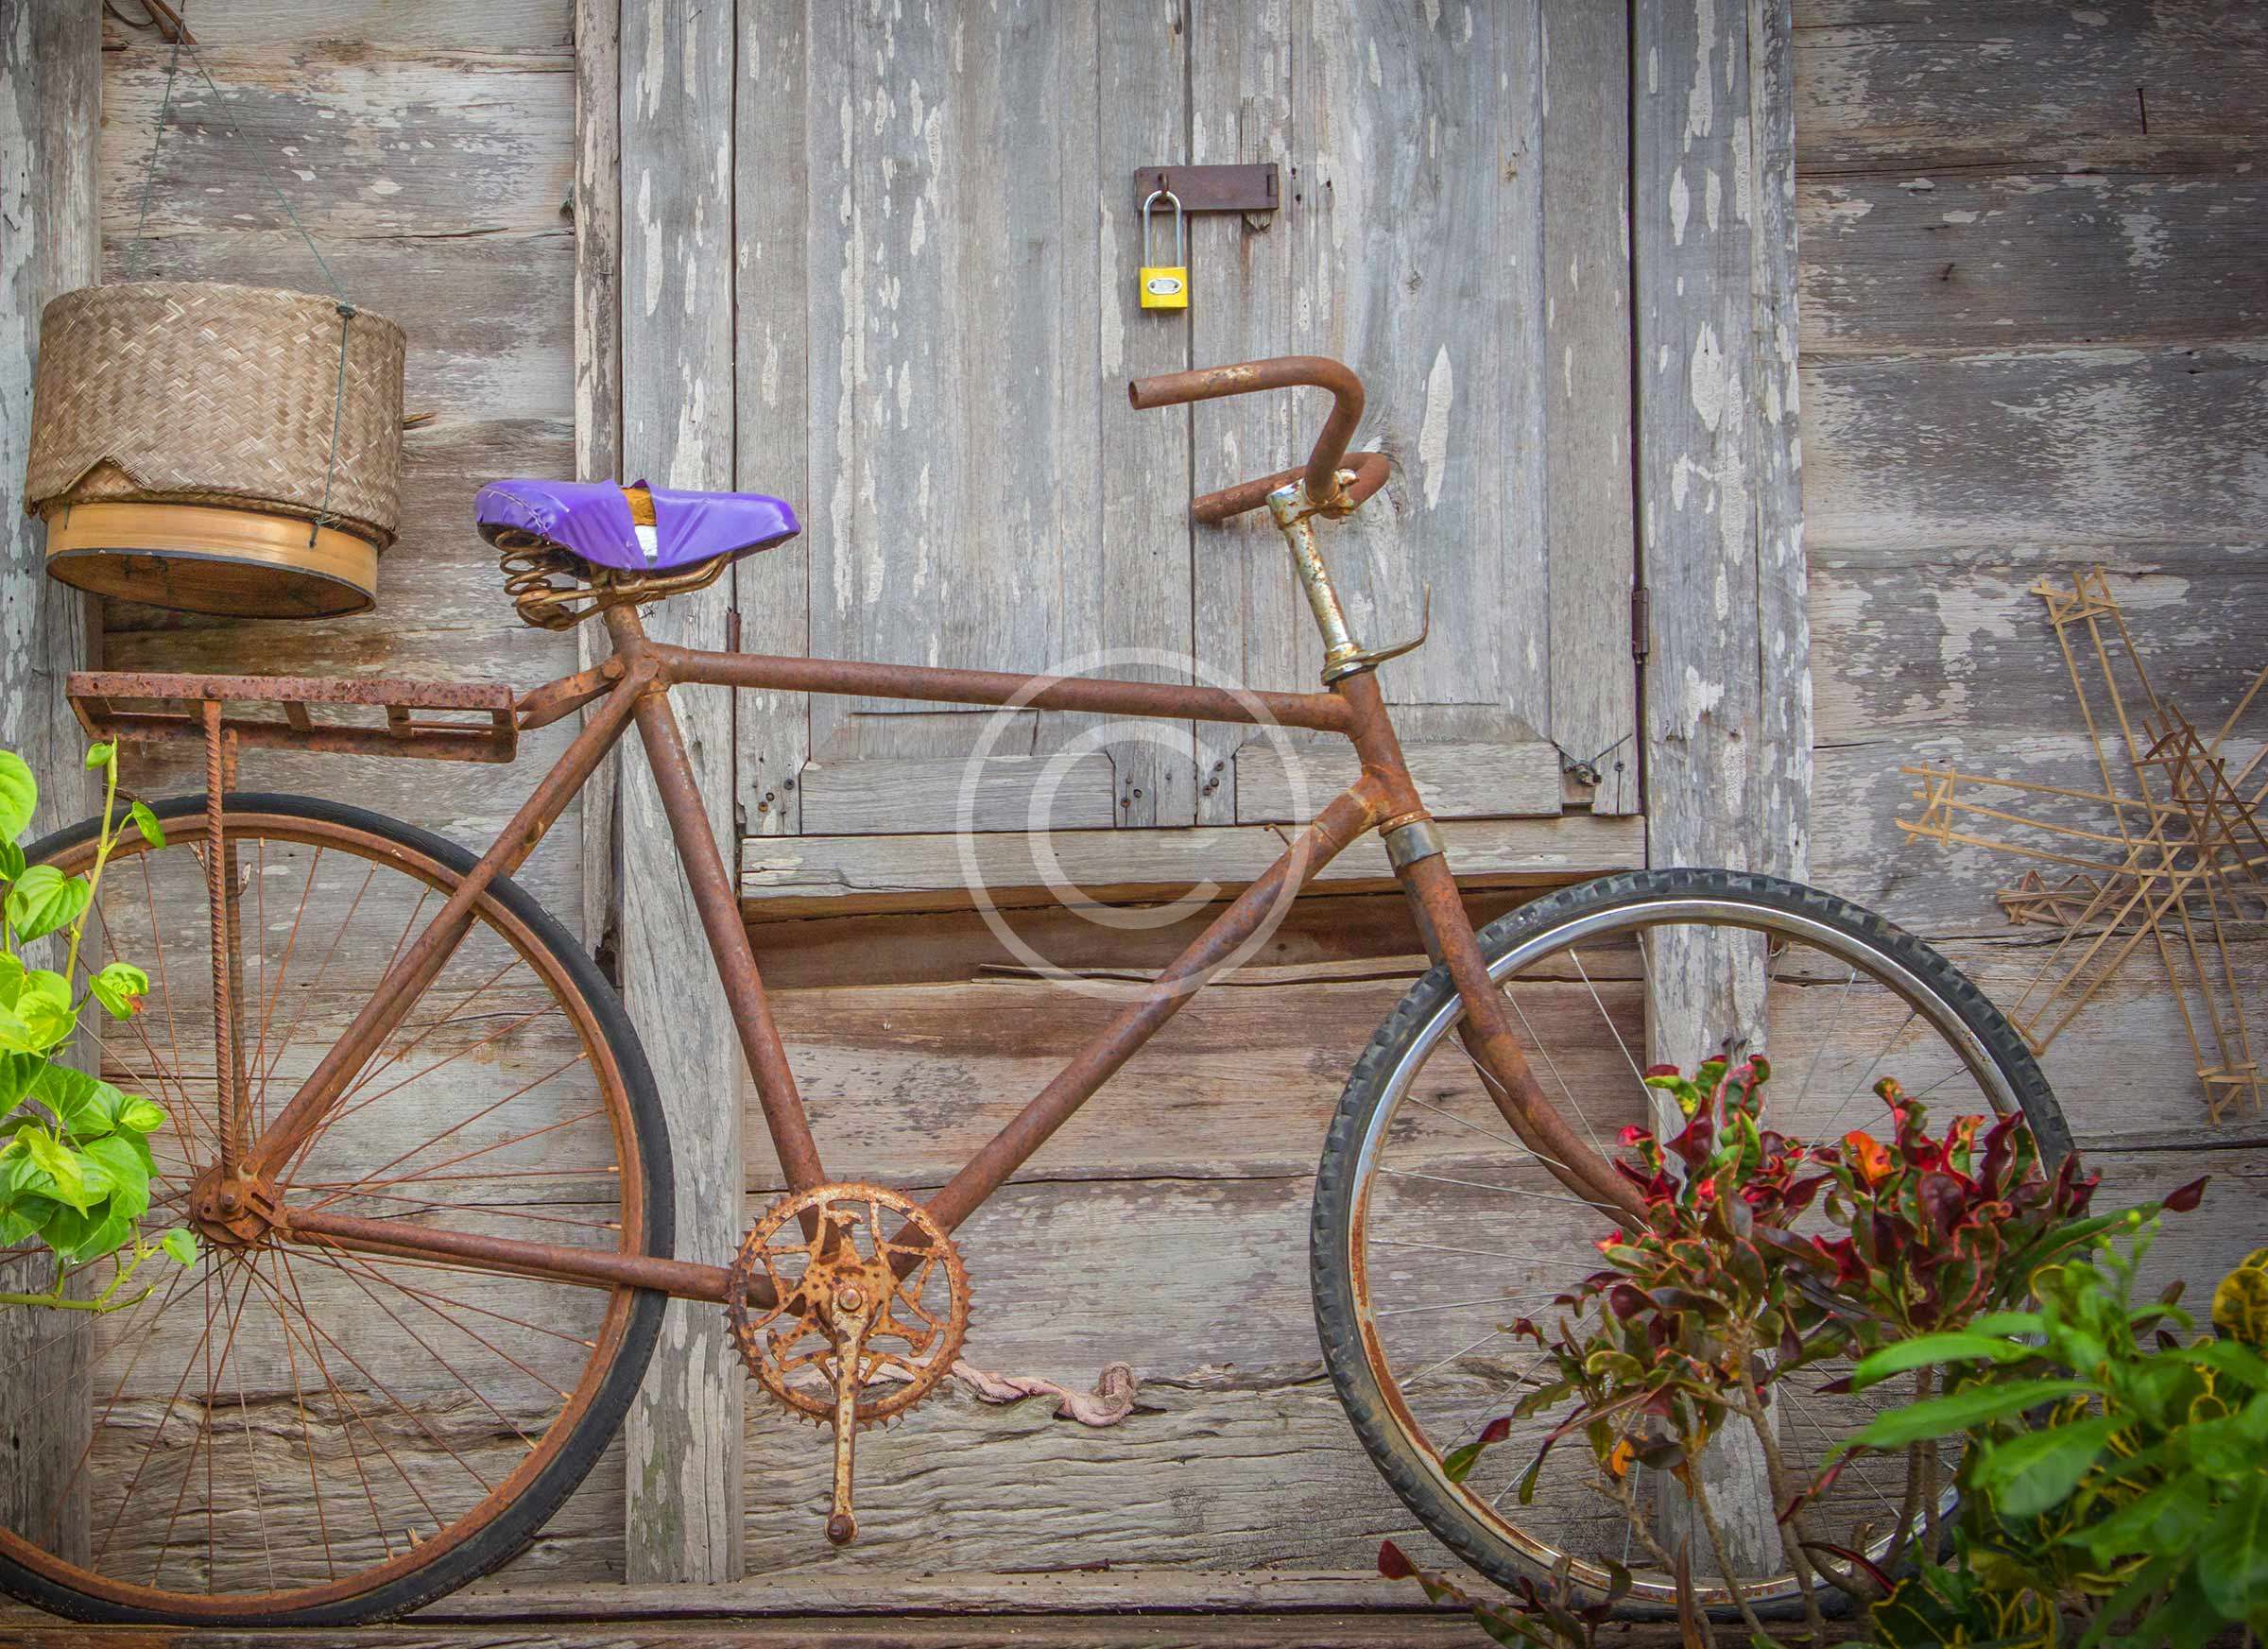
(217, 449)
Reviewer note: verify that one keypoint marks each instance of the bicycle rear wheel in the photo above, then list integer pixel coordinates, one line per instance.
(1434, 1229)
(290, 1433)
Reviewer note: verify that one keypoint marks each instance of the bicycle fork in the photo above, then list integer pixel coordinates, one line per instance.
(1415, 848)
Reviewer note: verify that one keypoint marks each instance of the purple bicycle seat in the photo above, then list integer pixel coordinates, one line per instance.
(593, 520)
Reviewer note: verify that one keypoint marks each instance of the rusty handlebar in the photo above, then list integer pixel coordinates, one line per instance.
(1324, 462)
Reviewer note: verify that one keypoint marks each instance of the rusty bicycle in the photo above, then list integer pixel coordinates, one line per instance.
(420, 1144)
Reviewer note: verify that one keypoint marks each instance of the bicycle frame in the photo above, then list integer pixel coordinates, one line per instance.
(632, 688)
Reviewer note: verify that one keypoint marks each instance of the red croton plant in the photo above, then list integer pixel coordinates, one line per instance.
(1698, 1318)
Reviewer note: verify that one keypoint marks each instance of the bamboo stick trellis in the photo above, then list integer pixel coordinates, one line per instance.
(2172, 866)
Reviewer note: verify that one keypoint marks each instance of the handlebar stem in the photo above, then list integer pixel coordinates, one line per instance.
(1294, 514)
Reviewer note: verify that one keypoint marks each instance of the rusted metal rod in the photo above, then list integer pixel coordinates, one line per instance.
(718, 902)
(1450, 940)
(1321, 472)
(1338, 825)
(1371, 472)
(407, 979)
(221, 899)
(1163, 699)
(1487, 1035)
(558, 1263)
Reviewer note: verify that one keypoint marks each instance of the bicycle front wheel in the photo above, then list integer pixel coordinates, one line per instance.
(1434, 1229)
(284, 1432)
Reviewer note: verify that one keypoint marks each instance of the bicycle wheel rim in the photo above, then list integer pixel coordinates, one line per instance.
(1652, 903)
(469, 1533)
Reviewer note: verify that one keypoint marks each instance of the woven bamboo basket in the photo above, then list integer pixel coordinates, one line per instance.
(183, 447)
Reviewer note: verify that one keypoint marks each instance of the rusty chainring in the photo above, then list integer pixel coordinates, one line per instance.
(911, 1336)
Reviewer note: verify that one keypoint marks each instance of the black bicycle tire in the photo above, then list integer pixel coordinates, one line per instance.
(1330, 1273)
(510, 1533)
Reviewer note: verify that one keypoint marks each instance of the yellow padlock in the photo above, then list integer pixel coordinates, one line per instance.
(1164, 285)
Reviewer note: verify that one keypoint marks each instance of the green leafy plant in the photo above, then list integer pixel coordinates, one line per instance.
(74, 1157)
(2116, 1482)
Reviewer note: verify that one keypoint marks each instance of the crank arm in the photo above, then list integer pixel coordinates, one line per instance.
(853, 1320)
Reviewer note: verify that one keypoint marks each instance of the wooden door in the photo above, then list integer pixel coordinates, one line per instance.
(937, 242)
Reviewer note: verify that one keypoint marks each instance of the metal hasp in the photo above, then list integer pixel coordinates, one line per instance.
(1212, 188)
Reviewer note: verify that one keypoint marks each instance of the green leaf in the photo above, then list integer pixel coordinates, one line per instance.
(145, 821)
(140, 1116)
(25, 1217)
(100, 756)
(120, 988)
(181, 1244)
(2166, 1519)
(19, 795)
(86, 1106)
(12, 861)
(130, 1175)
(1940, 1416)
(2028, 1474)
(18, 1071)
(58, 1162)
(2240, 1363)
(1929, 1350)
(41, 1015)
(2232, 1556)
(81, 1237)
(2009, 1323)
(44, 899)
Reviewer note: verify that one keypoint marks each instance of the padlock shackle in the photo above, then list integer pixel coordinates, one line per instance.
(1321, 473)
(1180, 239)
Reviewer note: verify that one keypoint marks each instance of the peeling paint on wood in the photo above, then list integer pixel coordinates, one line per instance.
(1728, 679)
(683, 1488)
(50, 106)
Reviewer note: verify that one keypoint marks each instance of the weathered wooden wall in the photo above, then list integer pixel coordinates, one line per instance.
(429, 147)
(2035, 307)
(1955, 170)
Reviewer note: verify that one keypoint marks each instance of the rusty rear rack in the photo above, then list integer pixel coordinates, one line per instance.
(442, 721)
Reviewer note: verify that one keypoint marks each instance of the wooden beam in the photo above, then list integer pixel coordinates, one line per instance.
(834, 875)
(1727, 694)
(684, 1505)
(50, 116)
(598, 212)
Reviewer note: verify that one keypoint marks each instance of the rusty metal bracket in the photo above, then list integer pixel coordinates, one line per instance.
(449, 721)
(1411, 840)
(1212, 188)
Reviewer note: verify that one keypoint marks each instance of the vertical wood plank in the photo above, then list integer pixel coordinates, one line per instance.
(956, 412)
(1410, 245)
(1592, 559)
(684, 1489)
(771, 276)
(1142, 481)
(50, 112)
(597, 204)
(1705, 425)
(1241, 306)
(1783, 593)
